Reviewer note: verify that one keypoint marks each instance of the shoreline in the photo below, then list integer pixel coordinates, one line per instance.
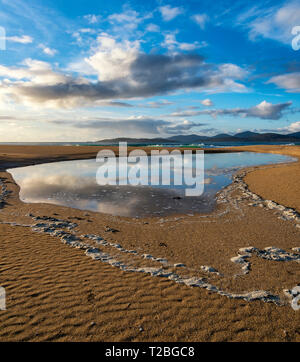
(236, 227)
(30, 155)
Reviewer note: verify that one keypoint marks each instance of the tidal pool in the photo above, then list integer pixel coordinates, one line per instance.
(73, 184)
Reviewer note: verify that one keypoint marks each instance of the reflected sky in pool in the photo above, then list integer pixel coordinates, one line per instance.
(73, 184)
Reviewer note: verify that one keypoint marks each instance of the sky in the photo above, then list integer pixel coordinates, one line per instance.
(82, 71)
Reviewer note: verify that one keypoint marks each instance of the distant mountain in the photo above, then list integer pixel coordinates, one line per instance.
(223, 137)
(246, 134)
(253, 136)
(134, 141)
(296, 134)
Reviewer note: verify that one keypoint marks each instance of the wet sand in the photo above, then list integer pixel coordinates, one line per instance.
(56, 292)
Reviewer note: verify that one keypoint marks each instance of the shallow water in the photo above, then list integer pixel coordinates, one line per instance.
(73, 184)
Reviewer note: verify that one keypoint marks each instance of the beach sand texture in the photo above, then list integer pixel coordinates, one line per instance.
(56, 292)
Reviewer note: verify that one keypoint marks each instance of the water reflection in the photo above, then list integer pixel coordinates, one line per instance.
(73, 184)
(84, 193)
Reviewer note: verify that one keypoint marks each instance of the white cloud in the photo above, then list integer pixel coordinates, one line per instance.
(113, 60)
(128, 16)
(153, 28)
(24, 39)
(171, 43)
(201, 20)
(127, 21)
(81, 66)
(124, 72)
(233, 71)
(86, 31)
(290, 82)
(207, 102)
(294, 127)
(273, 22)
(78, 34)
(168, 13)
(37, 71)
(92, 18)
(266, 110)
(263, 110)
(230, 74)
(17, 83)
(48, 51)
(139, 125)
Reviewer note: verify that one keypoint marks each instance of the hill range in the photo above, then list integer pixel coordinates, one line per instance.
(222, 137)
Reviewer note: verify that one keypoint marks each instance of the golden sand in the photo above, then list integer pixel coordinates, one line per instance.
(56, 293)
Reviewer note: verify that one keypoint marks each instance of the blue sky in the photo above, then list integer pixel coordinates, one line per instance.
(87, 70)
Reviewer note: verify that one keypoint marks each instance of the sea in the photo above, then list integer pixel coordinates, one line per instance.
(175, 145)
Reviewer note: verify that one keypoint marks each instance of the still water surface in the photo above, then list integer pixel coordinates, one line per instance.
(73, 184)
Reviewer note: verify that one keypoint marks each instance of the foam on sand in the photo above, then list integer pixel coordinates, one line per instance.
(57, 228)
(97, 248)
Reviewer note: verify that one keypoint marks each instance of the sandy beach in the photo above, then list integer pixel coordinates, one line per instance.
(222, 280)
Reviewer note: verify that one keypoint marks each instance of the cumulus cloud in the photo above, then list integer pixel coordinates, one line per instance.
(266, 110)
(207, 102)
(201, 20)
(113, 60)
(294, 127)
(290, 82)
(124, 72)
(168, 13)
(263, 110)
(22, 84)
(38, 72)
